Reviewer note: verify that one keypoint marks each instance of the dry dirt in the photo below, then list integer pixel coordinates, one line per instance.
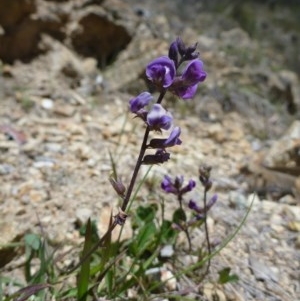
(65, 81)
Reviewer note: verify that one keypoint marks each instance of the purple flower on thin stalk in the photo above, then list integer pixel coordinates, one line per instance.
(158, 118)
(200, 210)
(139, 102)
(186, 85)
(175, 187)
(172, 140)
(161, 71)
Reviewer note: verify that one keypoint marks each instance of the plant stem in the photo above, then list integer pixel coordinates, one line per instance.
(206, 232)
(139, 160)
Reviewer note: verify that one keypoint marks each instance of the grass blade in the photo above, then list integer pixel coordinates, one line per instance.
(84, 274)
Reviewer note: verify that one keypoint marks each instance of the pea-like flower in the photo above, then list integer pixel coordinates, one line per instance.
(139, 102)
(158, 118)
(172, 140)
(161, 71)
(186, 85)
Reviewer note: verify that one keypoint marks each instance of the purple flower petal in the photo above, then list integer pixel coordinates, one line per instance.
(161, 71)
(140, 102)
(194, 73)
(158, 118)
(186, 92)
(173, 138)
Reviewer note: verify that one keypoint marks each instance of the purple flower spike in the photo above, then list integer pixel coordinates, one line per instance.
(161, 71)
(158, 118)
(173, 138)
(140, 102)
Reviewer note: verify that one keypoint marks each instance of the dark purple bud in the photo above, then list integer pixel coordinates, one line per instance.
(180, 46)
(204, 174)
(208, 185)
(158, 118)
(190, 53)
(139, 102)
(190, 186)
(160, 156)
(161, 71)
(173, 53)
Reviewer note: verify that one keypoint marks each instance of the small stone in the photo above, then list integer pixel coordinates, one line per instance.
(64, 110)
(294, 226)
(237, 199)
(47, 104)
(169, 279)
(43, 164)
(167, 251)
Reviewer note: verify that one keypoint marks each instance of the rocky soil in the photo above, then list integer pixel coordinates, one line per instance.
(67, 71)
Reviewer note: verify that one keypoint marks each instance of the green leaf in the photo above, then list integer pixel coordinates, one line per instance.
(168, 234)
(225, 277)
(146, 214)
(179, 216)
(32, 241)
(84, 273)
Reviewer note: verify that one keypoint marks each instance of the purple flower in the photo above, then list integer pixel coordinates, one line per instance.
(169, 142)
(186, 85)
(140, 102)
(175, 187)
(190, 186)
(168, 186)
(161, 71)
(199, 210)
(193, 73)
(158, 118)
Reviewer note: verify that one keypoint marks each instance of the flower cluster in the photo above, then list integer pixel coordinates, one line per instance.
(176, 187)
(163, 72)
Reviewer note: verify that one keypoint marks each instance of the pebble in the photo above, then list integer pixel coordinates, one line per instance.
(167, 251)
(47, 104)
